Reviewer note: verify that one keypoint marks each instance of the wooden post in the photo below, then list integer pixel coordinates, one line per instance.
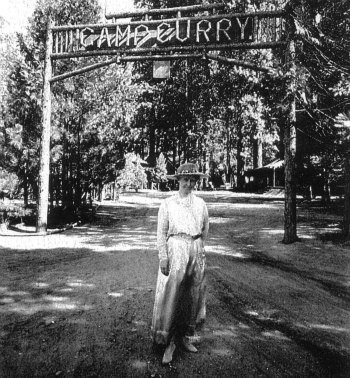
(44, 173)
(290, 221)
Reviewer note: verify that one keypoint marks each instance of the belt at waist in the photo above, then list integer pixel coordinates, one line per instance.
(188, 236)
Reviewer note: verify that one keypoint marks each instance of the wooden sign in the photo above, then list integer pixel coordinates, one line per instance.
(164, 34)
(254, 30)
(161, 69)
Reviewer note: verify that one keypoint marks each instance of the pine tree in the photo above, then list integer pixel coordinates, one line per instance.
(133, 175)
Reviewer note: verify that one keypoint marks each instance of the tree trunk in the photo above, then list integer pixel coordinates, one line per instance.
(205, 167)
(65, 171)
(290, 218)
(346, 217)
(58, 185)
(78, 191)
(228, 149)
(25, 183)
(174, 154)
(44, 173)
(290, 233)
(326, 195)
(257, 151)
(152, 142)
(239, 158)
(51, 190)
(184, 146)
(71, 180)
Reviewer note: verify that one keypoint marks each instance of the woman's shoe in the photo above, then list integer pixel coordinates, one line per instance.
(188, 346)
(194, 339)
(168, 354)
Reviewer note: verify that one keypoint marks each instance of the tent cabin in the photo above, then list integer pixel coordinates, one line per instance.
(269, 176)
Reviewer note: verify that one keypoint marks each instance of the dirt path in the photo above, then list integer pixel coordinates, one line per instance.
(79, 304)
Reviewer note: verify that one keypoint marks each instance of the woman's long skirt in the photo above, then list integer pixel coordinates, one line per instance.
(180, 297)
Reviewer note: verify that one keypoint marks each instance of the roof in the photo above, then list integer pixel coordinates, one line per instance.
(271, 166)
(275, 164)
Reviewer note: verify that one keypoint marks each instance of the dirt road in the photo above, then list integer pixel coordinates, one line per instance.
(79, 303)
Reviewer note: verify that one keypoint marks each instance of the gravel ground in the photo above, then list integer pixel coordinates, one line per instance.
(79, 303)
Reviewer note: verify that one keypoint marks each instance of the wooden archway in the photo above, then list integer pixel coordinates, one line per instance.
(167, 34)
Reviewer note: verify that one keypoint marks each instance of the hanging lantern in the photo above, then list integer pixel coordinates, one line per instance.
(161, 69)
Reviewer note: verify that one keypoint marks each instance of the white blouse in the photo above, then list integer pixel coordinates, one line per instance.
(176, 215)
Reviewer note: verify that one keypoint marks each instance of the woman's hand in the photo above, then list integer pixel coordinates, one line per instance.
(164, 266)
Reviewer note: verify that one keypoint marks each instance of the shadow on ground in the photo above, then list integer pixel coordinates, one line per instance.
(79, 304)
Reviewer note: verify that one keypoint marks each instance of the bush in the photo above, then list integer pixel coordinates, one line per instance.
(160, 172)
(133, 175)
(61, 216)
(14, 213)
(8, 183)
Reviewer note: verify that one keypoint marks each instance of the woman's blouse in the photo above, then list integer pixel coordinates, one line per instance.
(177, 215)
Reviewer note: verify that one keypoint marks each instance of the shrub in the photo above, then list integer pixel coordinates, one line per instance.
(8, 183)
(133, 175)
(14, 213)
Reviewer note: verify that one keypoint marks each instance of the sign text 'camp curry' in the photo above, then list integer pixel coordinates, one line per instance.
(186, 32)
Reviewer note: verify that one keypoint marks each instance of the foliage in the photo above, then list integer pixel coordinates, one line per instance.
(160, 171)
(322, 59)
(8, 55)
(206, 112)
(133, 175)
(68, 104)
(20, 111)
(12, 213)
(8, 182)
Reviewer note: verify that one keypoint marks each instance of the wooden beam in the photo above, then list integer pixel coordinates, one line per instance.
(235, 62)
(290, 215)
(117, 60)
(84, 69)
(135, 58)
(44, 170)
(157, 50)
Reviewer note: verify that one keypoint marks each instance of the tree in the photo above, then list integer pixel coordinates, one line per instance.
(21, 117)
(342, 90)
(159, 173)
(9, 183)
(205, 112)
(323, 51)
(133, 175)
(45, 12)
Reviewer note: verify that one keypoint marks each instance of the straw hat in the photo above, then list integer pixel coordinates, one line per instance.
(187, 169)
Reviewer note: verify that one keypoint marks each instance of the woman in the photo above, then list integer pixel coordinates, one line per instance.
(180, 294)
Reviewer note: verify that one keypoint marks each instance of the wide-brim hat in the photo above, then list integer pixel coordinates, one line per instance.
(187, 169)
